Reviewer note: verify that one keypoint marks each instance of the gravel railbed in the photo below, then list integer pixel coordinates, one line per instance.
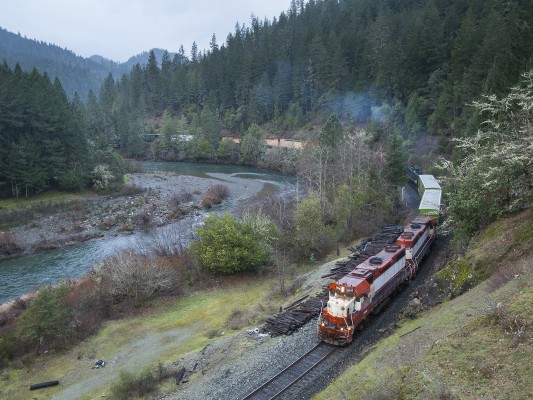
(233, 367)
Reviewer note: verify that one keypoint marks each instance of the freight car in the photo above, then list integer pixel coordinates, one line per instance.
(368, 286)
(413, 173)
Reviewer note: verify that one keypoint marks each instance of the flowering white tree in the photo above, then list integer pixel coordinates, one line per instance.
(495, 176)
(101, 176)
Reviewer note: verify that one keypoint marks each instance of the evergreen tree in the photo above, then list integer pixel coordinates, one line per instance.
(252, 145)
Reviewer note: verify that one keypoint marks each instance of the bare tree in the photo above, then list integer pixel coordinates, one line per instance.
(137, 277)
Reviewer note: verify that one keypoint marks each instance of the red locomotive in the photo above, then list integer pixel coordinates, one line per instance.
(368, 286)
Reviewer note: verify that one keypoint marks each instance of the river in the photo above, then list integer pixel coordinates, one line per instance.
(25, 274)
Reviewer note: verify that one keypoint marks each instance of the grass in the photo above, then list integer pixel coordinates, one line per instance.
(477, 345)
(196, 315)
(14, 212)
(446, 356)
(497, 246)
(52, 196)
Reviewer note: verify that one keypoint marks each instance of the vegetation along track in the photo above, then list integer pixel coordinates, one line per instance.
(375, 328)
(289, 376)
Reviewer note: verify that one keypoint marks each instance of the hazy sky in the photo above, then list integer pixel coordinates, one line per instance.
(119, 29)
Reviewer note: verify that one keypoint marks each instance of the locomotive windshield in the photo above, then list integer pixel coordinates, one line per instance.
(344, 291)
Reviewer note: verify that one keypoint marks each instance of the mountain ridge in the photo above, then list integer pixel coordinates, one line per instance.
(76, 73)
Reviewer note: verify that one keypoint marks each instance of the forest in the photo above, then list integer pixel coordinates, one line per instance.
(369, 85)
(400, 69)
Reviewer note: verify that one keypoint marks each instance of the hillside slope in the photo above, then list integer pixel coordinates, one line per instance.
(477, 345)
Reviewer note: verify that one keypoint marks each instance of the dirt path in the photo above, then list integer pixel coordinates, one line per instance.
(142, 351)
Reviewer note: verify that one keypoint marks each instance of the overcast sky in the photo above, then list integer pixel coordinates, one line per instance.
(119, 29)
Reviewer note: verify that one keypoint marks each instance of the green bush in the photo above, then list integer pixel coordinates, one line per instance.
(226, 245)
(312, 237)
(46, 320)
(10, 347)
(130, 385)
(69, 181)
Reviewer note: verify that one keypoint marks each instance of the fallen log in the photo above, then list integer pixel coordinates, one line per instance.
(43, 385)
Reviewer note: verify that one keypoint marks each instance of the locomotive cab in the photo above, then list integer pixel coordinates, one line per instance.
(341, 301)
(343, 312)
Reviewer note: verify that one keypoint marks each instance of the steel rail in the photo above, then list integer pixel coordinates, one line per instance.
(274, 384)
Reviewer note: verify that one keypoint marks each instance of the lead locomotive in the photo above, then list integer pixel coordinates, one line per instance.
(365, 289)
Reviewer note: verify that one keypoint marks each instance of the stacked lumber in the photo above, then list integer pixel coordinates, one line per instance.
(300, 312)
(365, 250)
(285, 323)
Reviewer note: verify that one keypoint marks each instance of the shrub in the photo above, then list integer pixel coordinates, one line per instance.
(181, 197)
(102, 176)
(10, 347)
(143, 219)
(226, 245)
(130, 385)
(133, 166)
(312, 237)
(46, 320)
(8, 244)
(215, 195)
(136, 277)
(69, 181)
(132, 190)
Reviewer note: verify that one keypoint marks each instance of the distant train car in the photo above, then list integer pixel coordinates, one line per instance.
(365, 289)
(430, 203)
(413, 173)
(427, 182)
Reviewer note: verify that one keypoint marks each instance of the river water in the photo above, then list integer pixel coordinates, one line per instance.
(24, 274)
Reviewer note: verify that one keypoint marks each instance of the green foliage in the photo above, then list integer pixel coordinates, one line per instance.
(210, 126)
(294, 117)
(42, 135)
(10, 346)
(331, 133)
(493, 178)
(70, 181)
(226, 245)
(101, 176)
(228, 150)
(46, 319)
(201, 149)
(347, 207)
(252, 145)
(169, 127)
(114, 164)
(396, 158)
(130, 385)
(313, 239)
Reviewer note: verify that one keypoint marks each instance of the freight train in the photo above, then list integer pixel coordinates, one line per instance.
(367, 288)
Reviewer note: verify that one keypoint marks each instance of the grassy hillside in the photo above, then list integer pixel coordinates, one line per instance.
(164, 332)
(477, 345)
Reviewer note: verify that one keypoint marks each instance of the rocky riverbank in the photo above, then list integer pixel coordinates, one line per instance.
(148, 200)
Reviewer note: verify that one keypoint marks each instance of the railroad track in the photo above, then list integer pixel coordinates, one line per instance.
(286, 378)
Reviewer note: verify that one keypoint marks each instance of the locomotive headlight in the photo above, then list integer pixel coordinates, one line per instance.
(342, 329)
(323, 324)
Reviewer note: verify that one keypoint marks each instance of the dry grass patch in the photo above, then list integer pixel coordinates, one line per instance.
(214, 195)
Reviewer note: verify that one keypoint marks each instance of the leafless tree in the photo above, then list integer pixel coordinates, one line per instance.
(137, 277)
